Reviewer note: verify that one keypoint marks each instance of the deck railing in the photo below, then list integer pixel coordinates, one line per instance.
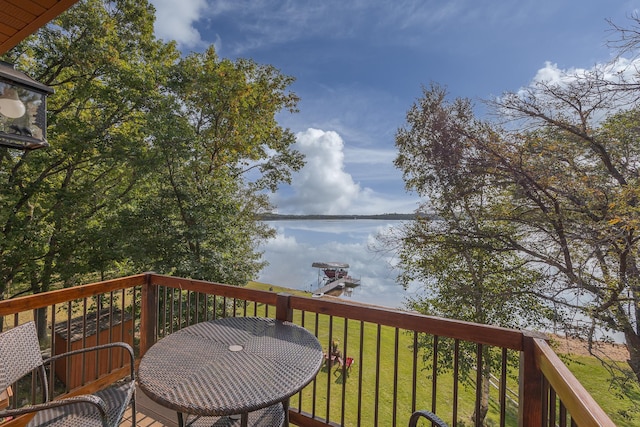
(402, 361)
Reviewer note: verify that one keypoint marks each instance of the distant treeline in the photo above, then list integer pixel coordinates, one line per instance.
(389, 216)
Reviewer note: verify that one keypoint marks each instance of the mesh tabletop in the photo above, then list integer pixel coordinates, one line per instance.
(230, 366)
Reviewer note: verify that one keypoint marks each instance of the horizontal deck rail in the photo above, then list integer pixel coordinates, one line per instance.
(400, 361)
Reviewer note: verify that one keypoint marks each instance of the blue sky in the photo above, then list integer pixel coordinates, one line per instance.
(359, 66)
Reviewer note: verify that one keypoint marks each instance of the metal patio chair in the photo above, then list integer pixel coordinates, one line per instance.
(20, 355)
(435, 420)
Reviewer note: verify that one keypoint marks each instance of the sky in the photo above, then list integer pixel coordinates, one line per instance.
(360, 65)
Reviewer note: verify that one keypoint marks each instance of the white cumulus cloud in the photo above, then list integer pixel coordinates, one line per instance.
(323, 186)
(551, 83)
(175, 20)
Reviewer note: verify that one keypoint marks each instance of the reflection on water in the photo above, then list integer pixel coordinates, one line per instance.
(300, 243)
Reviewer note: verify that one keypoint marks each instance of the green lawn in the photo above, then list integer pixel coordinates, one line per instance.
(587, 369)
(596, 379)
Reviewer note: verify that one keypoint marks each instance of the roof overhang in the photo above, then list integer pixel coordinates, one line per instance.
(21, 18)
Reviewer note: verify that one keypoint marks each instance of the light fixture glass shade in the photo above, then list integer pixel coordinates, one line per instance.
(23, 114)
(10, 104)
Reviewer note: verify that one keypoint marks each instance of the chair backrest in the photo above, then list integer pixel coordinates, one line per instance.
(19, 353)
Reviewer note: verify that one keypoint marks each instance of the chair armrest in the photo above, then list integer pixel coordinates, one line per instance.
(413, 421)
(96, 348)
(84, 398)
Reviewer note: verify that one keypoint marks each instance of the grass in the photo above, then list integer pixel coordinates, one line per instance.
(597, 380)
(588, 370)
(378, 357)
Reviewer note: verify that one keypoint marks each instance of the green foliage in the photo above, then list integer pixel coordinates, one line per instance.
(57, 203)
(544, 213)
(215, 128)
(157, 161)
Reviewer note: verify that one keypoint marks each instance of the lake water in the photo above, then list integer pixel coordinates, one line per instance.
(299, 243)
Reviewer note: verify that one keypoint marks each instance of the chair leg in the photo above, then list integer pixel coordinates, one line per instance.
(133, 411)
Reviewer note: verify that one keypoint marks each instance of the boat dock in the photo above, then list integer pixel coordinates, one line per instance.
(349, 282)
(332, 277)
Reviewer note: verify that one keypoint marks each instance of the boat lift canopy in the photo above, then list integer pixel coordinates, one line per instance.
(329, 265)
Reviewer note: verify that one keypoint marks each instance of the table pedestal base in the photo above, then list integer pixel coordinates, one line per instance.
(272, 416)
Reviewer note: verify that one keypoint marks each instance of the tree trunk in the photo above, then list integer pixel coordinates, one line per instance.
(633, 345)
(484, 398)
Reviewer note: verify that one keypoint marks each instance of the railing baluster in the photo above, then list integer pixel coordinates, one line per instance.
(414, 372)
(503, 388)
(162, 293)
(456, 380)
(479, 386)
(205, 315)
(434, 375)
(360, 367)
(188, 309)
(199, 316)
(394, 415)
(549, 406)
(171, 310)
(315, 381)
(329, 366)
(181, 315)
(377, 388)
(52, 368)
(345, 353)
(96, 356)
(302, 323)
(111, 326)
(83, 368)
(68, 345)
(563, 415)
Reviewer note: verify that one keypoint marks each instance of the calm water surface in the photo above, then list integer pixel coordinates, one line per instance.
(299, 243)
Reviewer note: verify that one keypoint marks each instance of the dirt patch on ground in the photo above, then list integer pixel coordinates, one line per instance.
(564, 345)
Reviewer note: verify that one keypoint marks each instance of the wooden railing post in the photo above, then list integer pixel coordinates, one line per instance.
(148, 315)
(283, 310)
(531, 389)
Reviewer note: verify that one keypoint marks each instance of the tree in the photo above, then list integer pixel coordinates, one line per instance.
(104, 64)
(447, 251)
(157, 162)
(219, 148)
(564, 189)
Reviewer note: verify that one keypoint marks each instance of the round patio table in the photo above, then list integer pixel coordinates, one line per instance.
(236, 365)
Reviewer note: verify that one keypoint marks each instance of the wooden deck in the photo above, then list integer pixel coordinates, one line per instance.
(149, 414)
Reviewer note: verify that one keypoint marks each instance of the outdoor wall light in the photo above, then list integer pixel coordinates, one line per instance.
(23, 110)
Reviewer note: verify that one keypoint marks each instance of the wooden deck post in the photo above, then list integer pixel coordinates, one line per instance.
(148, 315)
(283, 310)
(531, 388)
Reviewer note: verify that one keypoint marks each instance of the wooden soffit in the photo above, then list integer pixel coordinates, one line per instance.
(21, 18)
